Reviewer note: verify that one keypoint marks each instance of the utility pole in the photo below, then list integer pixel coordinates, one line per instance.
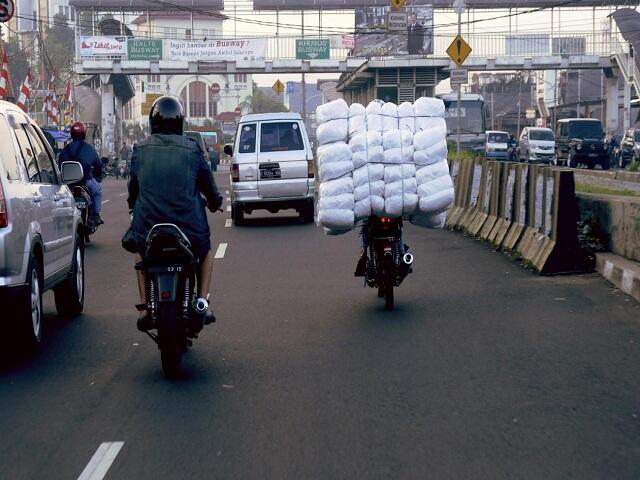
(519, 103)
(459, 7)
(304, 83)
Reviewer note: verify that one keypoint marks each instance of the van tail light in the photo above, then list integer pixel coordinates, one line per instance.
(4, 214)
(310, 169)
(235, 172)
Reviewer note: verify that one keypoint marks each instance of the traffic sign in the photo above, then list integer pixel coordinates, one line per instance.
(397, 4)
(458, 76)
(459, 50)
(7, 9)
(278, 87)
(397, 21)
(291, 87)
(215, 88)
(312, 49)
(531, 113)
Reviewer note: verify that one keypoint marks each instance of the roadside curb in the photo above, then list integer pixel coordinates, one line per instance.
(623, 273)
(620, 175)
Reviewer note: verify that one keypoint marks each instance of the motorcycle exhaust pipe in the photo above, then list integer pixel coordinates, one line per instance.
(405, 266)
(407, 258)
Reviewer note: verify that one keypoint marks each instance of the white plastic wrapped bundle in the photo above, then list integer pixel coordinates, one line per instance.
(344, 201)
(426, 137)
(366, 148)
(428, 220)
(435, 188)
(428, 107)
(367, 174)
(372, 205)
(399, 155)
(432, 154)
(389, 116)
(431, 123)
(333, 170)
(336, 219)
(396, 139)
(338, 109)
(333, 152)
(373, 117)
(333, 131)
(336, 187)
(357, 122)
(369, 186)
(373, 155)
(406, 117)
(393, 173)
(375, 188)
(336, 204)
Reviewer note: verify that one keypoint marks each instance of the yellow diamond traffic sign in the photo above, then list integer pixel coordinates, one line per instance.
(459, 50)
(278, 87)
(397, 4)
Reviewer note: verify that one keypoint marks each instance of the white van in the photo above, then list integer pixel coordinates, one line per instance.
(271, 166)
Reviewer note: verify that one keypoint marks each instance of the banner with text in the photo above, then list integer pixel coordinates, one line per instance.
(216, 50)
(101, 45)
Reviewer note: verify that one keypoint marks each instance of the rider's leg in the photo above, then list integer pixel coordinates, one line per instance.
(142, 283)
(95, 190)
(361, 266)
(205, 270)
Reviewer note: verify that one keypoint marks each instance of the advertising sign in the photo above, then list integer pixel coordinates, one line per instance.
(372, 38)
(92, 46)
(312, 49)
(397, 21)
(216, 50)
(528, 44)
(143, 49)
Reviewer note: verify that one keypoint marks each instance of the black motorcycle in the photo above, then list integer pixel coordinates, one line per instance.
(388, 262)
(170, 271)
(83, 204)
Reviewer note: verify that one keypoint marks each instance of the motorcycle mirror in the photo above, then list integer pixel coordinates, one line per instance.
(71, 172)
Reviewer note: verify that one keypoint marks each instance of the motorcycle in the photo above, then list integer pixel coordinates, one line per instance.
(170, 271)
(83, 204)
(389, 262)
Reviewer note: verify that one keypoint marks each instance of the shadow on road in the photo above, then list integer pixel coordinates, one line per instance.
(273, 222)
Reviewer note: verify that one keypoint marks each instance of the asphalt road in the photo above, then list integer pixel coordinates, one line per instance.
(484, 370)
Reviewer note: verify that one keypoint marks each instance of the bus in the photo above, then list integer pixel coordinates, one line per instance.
(473, 119)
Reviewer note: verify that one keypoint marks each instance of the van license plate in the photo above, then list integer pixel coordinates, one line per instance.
(270, 173)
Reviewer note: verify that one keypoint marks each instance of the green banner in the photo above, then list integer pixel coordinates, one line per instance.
(139, 49)
(312, 49)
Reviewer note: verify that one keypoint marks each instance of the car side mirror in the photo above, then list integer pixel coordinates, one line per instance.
(71, 172)
(228, 149)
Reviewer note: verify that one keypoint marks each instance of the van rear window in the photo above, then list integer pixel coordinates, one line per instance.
(280, 137)
(247, 139)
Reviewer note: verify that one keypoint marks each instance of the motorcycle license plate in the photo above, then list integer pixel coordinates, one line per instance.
(81, 204)
(270, 172)
(593, 155)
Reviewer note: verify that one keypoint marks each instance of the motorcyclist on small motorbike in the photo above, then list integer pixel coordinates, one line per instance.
(84, 153)
(169, 177)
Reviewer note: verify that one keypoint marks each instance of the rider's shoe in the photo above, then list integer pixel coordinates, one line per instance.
(98, 220)
(145, 321)
(209, 318)
(361, 267)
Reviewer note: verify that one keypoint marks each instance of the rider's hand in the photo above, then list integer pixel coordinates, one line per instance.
(215, 207)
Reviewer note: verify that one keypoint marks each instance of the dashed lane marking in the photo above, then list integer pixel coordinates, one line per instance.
(122, 194)
(105, 201)
(226, 192)
(228, 208)
(222, 249)
(101, 461)
(228, 199)
(227, 222)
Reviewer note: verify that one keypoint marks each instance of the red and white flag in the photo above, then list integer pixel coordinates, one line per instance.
(4, 76)
(25, 91)
(54, 112)
(68, 94)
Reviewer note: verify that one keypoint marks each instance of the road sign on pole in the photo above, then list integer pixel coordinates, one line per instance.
(397, 4)
(459, 50)
(530, 113)
(458, 76)
(278, 87)
(312, 49)
(7, 9)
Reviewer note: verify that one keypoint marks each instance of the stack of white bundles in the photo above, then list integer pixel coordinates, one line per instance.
(368, 188)
(425, 109)
(428, 220)
(398, 146)
(336, 205)
(366, 147)
(357, 122)
(435, 187)
(406, 117)
(373, 117)
(333, 122)
(430, 146)
(334, 161)
(400, 190)
(389, 117)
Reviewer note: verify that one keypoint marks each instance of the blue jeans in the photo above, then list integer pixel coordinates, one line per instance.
(95, 190)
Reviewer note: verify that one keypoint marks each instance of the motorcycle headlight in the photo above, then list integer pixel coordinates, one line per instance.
(578, 147)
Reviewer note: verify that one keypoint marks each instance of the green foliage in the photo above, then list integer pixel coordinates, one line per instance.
(260, 102)
(18, 63)
(634, 166)
(59, 45)
(623, 192)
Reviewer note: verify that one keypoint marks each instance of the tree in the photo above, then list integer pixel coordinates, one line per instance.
(18, 63)
(260, 102)
(59, 48)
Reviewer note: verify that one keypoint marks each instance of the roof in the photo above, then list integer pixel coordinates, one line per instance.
(259, 117)
(564, 120)
(497, 131)
(464, 96)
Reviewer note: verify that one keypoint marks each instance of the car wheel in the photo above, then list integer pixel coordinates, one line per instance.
(307, 213)
(606, 164)
(237, 215)
(69, 295)
(30, 316)
(571, 160)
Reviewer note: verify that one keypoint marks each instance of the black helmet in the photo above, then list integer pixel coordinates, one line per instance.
(166, 116)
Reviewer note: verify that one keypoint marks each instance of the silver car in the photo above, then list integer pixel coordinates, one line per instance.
(272, 166)
(537, 145)
(40, 247)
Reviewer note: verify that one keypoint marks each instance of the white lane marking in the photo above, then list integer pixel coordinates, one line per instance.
(222, 248)
(99, 464)
(228, 208)
(122, 194)
(228, 199)
(227, 192)
(105, 201)
(227, 222)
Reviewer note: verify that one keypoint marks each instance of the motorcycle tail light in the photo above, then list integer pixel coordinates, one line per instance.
(235, 172)
(165, 295)
(4, 214)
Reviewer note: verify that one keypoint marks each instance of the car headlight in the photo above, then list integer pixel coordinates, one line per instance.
(579, 147)
(605, 147)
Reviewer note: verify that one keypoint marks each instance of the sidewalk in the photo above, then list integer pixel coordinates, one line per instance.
(623, 273)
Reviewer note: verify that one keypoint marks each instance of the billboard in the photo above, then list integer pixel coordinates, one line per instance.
(351, 4)
(528, 44)
(102, 45)
(373, 38)
(143, 5)
(216, 50)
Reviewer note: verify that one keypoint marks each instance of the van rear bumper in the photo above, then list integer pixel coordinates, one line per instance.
(275, 204)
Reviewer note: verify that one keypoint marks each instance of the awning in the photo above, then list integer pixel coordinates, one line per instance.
(57, 135)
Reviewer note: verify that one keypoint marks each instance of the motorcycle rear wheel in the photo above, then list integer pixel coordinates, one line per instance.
(388, 282)
(169, 339)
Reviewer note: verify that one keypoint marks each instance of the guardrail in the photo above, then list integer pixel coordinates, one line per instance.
(525, 209)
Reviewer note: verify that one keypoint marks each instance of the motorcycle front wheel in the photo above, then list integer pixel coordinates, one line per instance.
(169, 339)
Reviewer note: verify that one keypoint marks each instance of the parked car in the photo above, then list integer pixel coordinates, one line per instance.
(628, 149)
(199, 139)
(271, 166)
(537, 145)
(211, 140)
(40, 238)
(580, 141)
(496, 145)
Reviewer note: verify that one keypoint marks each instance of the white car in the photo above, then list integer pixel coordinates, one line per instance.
(271, 166)
(537, 145)
(496, 145)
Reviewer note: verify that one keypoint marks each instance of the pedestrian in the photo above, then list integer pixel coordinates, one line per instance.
(415, 36)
